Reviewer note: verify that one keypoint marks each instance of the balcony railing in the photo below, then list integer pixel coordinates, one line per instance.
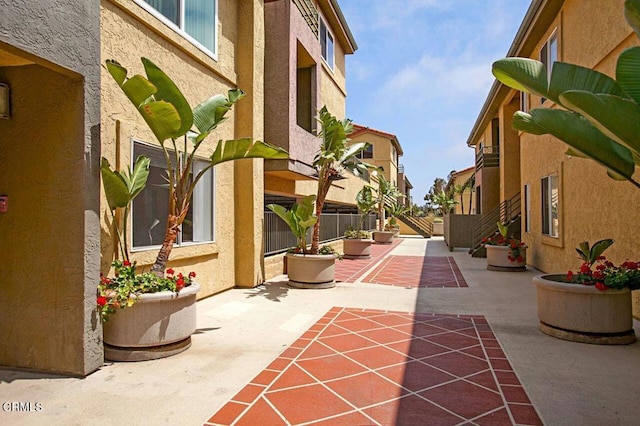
(278, 236)
(401, 168)
(488, 156)
(309, 13)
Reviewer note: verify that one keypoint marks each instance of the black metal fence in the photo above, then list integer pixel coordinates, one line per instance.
(278, 236)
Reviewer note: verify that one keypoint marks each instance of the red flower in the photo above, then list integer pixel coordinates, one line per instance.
(585, 269)
(170, 271)
(192, 274)
(598, 275)
(630, 265)
(126, 263)
(601, 267)
(102, 300)
(601, 286)
(600, 258)
(180, 283)
(519, 259)
(569, 277)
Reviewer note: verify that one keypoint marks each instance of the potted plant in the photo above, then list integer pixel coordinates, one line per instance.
(505, 254)
(386, 194)
(139, 333)
(395, 210)
(357, 242)
(334, 156)
(592, 305)
(438, 226)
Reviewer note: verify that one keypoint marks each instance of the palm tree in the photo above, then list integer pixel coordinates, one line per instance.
(335, 156)
(387, 193)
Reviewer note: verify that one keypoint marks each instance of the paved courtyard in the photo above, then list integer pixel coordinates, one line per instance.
(417, 335)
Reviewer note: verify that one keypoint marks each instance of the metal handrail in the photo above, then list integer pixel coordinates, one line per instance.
(506, 212)
(488, 156)
(279, 238)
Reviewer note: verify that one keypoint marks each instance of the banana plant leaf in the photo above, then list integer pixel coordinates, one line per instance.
(529, 75)
(121, 188)
(628, 72)
(632, 14)
(245, 148)
(577, 132)
(616, 117)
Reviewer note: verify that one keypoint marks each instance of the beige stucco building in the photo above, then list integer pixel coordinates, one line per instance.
(467, 199)
(385, 152)
(49, 180)
(564, 200)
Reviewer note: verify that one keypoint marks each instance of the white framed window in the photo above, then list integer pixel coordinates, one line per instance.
(527, 208)
(550, 206)
(549, 55)
(326, 43)
(195, 20)
(149, 209)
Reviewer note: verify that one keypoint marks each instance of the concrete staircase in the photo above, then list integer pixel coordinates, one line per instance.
(422, 225)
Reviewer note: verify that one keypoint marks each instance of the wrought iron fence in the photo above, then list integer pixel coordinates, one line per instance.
(278, 236)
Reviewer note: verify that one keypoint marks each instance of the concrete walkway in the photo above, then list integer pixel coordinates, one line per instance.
(241, 332)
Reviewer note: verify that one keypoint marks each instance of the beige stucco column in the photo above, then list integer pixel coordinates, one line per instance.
(249, 176)
(509, 151)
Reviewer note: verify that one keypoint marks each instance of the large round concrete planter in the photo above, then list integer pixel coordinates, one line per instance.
(582, 313)
(498, 259)
(357, 248)
(311, 270)
(383, 237)
(158, 325)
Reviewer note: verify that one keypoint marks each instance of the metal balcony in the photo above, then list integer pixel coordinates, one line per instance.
(488, 156)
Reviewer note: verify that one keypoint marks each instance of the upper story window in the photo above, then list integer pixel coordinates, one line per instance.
(326, 43)
(366, 153)
(196, 20)
(549, 55)
(394, 154)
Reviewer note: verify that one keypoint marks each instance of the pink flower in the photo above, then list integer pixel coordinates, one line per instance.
(601, 286)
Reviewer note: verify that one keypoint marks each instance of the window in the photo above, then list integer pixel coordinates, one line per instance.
(495, 132)
(549, 55)
(524, 102)
(366, 153)
(394, 154)
(527, 208)
(326, 43)
(550, 206)
(149, 211)
(194, 19)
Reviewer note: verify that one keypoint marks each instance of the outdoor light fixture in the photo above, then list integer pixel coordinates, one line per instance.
(4, 101)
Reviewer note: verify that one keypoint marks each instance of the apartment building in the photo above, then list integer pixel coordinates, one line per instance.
(564, 200)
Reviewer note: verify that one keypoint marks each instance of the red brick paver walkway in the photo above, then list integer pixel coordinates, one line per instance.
(349, 270)
(371, 367)
(418, 271)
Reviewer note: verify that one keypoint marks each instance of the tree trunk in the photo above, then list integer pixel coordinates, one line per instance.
(173, 224)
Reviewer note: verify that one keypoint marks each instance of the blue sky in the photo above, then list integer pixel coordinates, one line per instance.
(422, 71)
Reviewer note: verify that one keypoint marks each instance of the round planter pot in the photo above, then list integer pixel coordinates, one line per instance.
(498, 259)
(311, 270)
(383, 237)
(582, 313)
(158, 325)
(357, 248)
